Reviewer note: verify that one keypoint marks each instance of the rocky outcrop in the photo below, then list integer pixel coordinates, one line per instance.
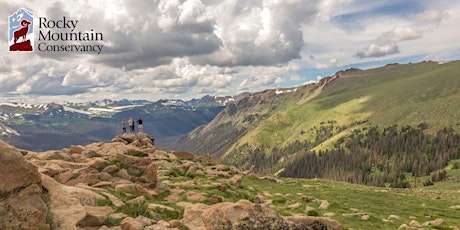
(247, 215)
(21, 203)
(66, 210)
(130, 184)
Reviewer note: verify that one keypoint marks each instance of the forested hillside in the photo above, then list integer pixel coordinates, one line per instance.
(363, 126)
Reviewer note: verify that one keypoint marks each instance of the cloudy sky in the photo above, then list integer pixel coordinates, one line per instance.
(155, 49)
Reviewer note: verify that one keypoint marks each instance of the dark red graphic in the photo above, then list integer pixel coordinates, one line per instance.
(25, 45)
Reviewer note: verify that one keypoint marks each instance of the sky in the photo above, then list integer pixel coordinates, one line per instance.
(184, 49)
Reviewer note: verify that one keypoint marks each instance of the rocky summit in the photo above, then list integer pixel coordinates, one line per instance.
(130, 184)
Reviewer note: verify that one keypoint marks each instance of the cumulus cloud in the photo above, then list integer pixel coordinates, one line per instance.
(430, 16)
(386, 42)
(378, 50)
(184, 48)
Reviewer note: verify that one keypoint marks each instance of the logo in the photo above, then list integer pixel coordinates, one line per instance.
(21, 31)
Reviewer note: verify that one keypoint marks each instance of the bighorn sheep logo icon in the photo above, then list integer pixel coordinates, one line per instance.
(21, 31)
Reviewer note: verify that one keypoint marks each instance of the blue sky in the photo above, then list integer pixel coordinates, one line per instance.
(190, 48)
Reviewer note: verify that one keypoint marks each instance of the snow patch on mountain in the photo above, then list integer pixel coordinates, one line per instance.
(7, 131)
(69, 109)
(285, 91)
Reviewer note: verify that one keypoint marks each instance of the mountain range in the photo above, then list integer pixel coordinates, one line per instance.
(376, 112)
(56, 125)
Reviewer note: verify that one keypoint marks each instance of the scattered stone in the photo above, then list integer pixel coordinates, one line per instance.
(191, 195)
(214, 199)
(351, 214)
(309, 199)
(176, 224)
(160, 207)
(172, 198)
(115, 201)
(208, 159)
(365, 217)
(455, 207)
(237, 180)
(95, 215)
(252, 170)
(433, 222)
(133, 188)
(111, 169)
(309, 208)
(184, 155)
(295, 205)
(330, 214)
(308, 222)
(324, 204)
(123, 173)
(152, 175)
(160, 225)
(222, 188)
(118, 215)
(130, 223)
(75, 149)
(90, 153)
(394, 217)
(414, 223)
(403, 227)
(137, 200)
(258, 199)
(102, 184)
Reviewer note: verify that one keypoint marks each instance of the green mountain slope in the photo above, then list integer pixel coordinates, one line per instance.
(326, 112)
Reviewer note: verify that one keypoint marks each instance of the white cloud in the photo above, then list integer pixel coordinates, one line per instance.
(186, 48)
(386, 42)
(430, 16)
(377, 50)
(321, 66)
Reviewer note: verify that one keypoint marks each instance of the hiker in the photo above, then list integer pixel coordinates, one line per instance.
(123, 125)
(152, 138)
(131, 125)
(140, 127)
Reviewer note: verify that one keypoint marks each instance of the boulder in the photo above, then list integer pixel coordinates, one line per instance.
(16, 172)
(237, 179)
(21, 203)
(95, 215)
(130, 223)
(247, 215)
(207, 159)
(152, 175)
(308, 222)
(242, 214)
(324, 204)
(66, 210)
(433, 222)
(75, 149)
(137, 200)
(133, 188)
(184, 155)
(192, 216)
(111, 149)
(24, 209)
(54, 155)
